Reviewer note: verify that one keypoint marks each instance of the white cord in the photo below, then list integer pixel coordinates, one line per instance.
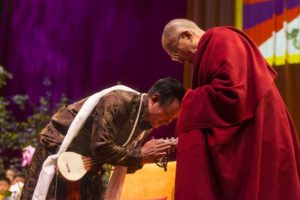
(56, 177)
(136, 120)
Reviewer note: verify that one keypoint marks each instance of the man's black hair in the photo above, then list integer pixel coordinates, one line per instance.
(169, 90)
(4, 178)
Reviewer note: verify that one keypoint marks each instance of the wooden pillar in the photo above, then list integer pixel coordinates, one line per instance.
(208, 14)
(288, 83)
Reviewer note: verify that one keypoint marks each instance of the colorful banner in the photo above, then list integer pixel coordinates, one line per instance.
(275, 27)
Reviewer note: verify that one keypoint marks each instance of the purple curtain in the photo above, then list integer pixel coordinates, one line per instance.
(83, 46)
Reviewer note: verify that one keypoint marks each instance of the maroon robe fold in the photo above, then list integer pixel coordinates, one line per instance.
(236, 138)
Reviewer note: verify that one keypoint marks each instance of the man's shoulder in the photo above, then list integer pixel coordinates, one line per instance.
(118, 103)
(122, 95)
(119, 100)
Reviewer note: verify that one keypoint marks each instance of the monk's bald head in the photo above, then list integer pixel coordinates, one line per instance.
(173, 29)
(181, 28)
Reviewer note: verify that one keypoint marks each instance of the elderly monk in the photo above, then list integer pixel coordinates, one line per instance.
(103, 135)
(237, 140)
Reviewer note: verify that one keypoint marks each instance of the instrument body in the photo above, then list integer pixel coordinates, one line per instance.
(73, 166)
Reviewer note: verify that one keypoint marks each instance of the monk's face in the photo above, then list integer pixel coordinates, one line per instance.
(159, 115)
(183, 48)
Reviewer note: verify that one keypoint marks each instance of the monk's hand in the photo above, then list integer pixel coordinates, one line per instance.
(153, 150)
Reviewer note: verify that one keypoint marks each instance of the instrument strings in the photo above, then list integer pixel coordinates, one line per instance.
(88, 162)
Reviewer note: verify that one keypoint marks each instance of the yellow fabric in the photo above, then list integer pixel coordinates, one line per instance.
(239, 14)
(282, 60)
(150, 183)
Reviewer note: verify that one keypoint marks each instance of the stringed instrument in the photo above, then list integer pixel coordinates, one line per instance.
(73, 166)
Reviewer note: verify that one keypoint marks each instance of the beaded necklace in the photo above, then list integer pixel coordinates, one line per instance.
(136, 120)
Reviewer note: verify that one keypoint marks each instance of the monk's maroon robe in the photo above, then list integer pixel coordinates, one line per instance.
(236, 138)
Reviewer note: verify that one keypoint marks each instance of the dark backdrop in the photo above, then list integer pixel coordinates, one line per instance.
(83, 46)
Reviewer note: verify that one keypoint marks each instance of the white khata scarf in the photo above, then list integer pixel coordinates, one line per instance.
(48, 169)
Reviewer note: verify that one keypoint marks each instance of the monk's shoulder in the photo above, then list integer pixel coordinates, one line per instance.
(224, 33)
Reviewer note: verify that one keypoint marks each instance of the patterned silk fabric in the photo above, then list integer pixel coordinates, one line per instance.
(102, 137)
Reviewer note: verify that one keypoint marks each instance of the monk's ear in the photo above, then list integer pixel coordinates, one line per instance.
(187, 35)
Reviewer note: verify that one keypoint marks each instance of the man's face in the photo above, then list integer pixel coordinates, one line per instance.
(160, 115)
(10, 174)
(4, 186)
